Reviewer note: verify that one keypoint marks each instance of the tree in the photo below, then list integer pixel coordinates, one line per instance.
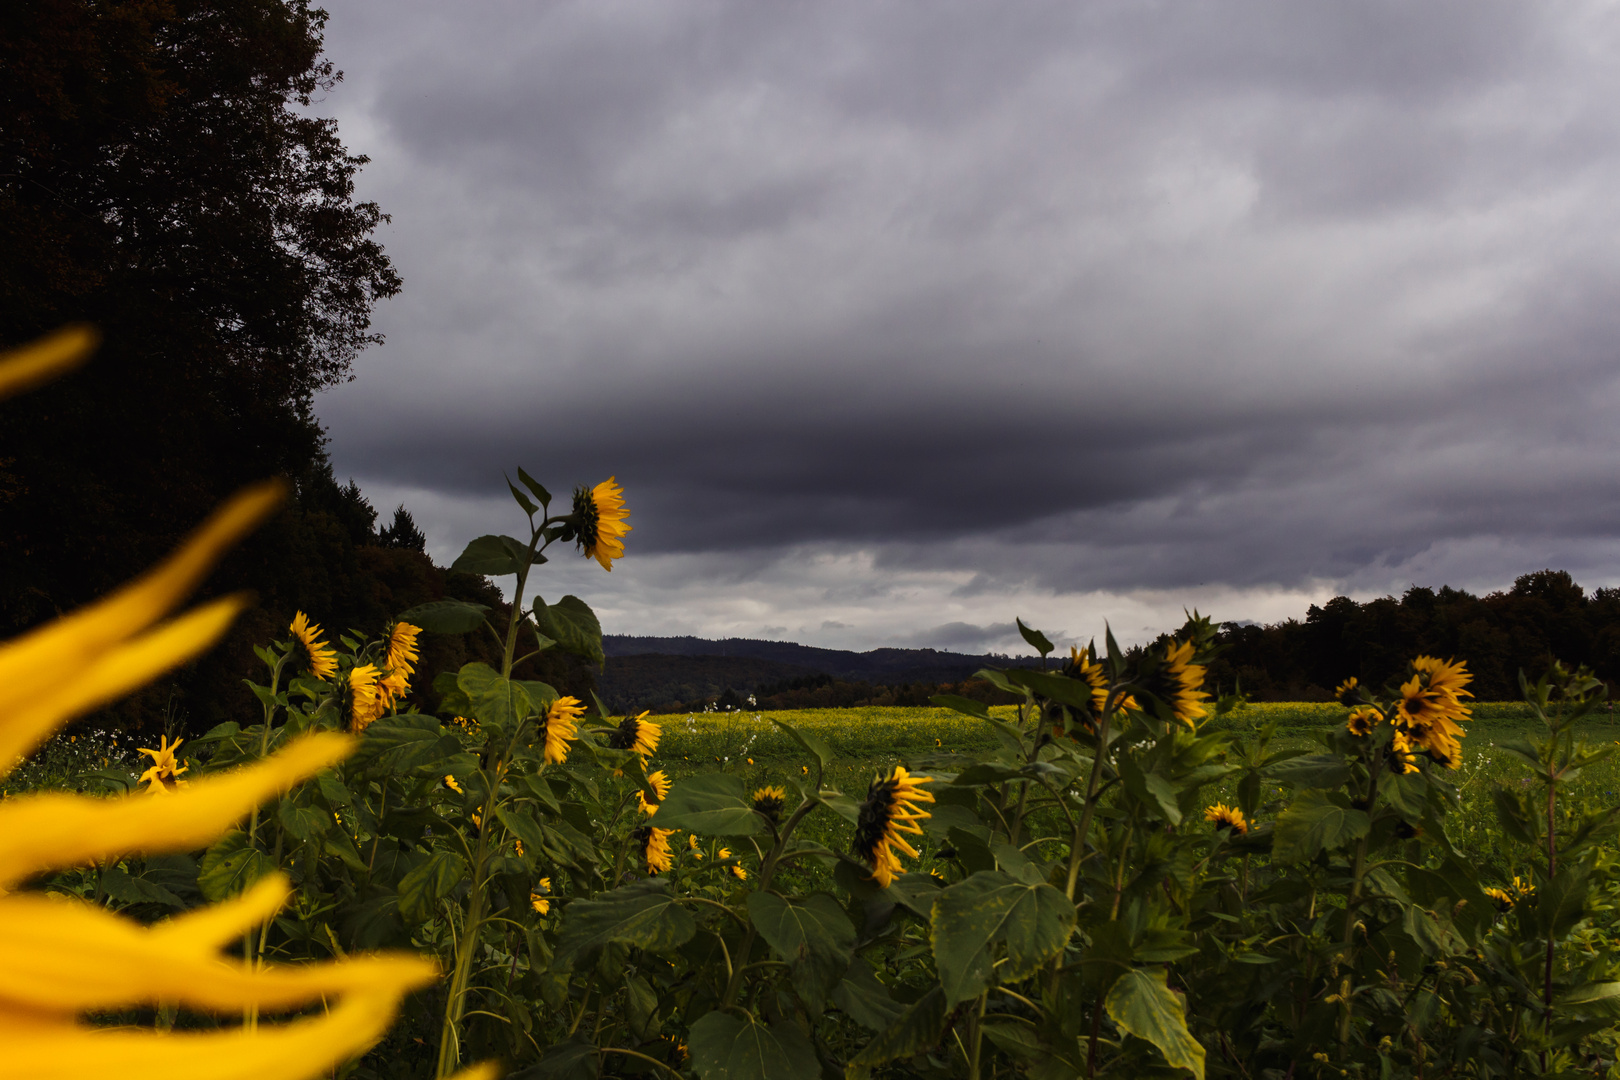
(159, 180)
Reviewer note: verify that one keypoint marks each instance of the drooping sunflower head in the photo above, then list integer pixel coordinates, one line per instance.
(562, 727)
(320, 657)
(1175, 683)
(655, 848)
(660, 785)
(1348, 692)
(1227, 817)
(1363, 718)
(1401, 757)
(164, 775)
(769, 802)
(891, 808)
(1500, 896)
(539, 897)
(400, 662)
(1439, 741)
(600, 527)
(638, 734)
(364, 697)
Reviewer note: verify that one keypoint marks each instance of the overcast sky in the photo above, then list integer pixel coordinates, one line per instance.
(896, 320)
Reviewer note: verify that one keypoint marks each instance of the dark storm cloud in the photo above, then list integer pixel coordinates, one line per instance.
(1057, 297)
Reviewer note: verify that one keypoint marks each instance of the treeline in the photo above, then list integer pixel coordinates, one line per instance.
(828, 692)
(1545, 615)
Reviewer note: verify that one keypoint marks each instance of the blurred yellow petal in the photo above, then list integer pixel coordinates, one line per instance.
(54, 830)
(44, 359)
(66, 956)
(42, 1050)
(488, 1070)
(118, 671)
(41, 662)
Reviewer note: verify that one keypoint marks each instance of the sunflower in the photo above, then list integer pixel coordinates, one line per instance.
(600, 526)
(1523, 887)
(655, 848)
(1347, 692)
(769, 802)
(737, 871)
(1363, 718)
(1503, 900)
(660, 785)
(322, 657)
(400, 662)
(365, 699)
(692, 846)
(68, 959)
(1447, 675)
(1227, 817)
(562, 727)
(891, 808)
(1176, 682)
(164, 775)
(450, 782)
(1401, 758)
(538, 899)
(636, 733)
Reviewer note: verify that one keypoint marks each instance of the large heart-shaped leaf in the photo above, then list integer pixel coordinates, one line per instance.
(711, 804)
(1141, 1003)
(813, 935)
(642, 914)
(972, 916)
(726, 1047)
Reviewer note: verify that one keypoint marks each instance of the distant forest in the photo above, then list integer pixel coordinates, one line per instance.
(1545, 615)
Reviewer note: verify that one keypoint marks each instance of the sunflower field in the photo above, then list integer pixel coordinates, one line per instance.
(1117, 877)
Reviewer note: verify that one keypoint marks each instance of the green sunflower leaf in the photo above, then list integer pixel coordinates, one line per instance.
(1142, 1004)
(813, 935)
(572, 624)
(641, 914)
(446, 616)
(990, 907)
(710, 804)
(725, 1047)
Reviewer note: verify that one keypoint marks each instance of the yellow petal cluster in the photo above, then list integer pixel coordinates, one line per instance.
(601, 513)
(400, 662)
(659, 782)
(164, 775)
(562, 727)
(322, 657)
(63, 958)
(891, 808)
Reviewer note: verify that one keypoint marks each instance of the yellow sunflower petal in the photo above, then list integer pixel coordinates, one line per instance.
(42, 1050)
(116, 672)
(59, 652)
(44, 359)
(55, 830)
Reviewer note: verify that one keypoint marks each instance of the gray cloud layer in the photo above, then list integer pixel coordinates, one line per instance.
(1045, 298)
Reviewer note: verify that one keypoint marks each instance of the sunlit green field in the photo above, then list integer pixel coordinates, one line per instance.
(870, 740)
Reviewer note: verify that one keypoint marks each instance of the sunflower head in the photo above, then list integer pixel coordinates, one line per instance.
(539, 897)
(599, 523)
(1175, 682)
(636, 733)
(450, 782)
(892, 807)
(737, 871)
(692, 846)
(365, 697)
(1446, 675)
(1348, 692)
(1501, 897)
(660, 785)
(1401, 757)
(1523, 887)
(655, 848)
(320, 657)
(1363, 718)
(769, 802)
(164, 775)
(1227, 817)
(400, 662)
(562, 727)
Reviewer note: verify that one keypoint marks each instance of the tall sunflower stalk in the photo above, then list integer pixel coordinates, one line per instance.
(597, 523)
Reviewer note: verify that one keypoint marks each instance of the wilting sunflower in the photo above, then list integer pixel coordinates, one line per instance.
(660, 785)
(769, 802)
(164, 775)
(655, 848)
(891, 808)
(1227, 817)
(67, 959)
(636, 733)
(539, 898)
(321, 656)
(400, 662)
(1362, 720)
(365, 699)
(1176, 682)
(599, 514)
(562, 727)
(1347, 692)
